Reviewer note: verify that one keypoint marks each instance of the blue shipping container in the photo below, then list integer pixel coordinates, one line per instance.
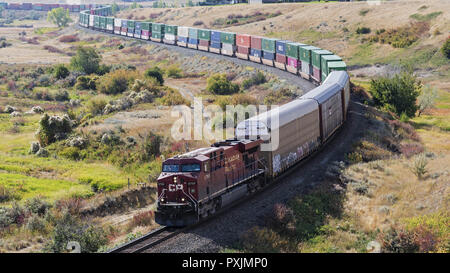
(255, 52)
(182, 39)
(268, 55)
(281, 47)
(137, 31)
(192, 41)
(137, 25)
(124, 23)
(215, 36)
(215, 45)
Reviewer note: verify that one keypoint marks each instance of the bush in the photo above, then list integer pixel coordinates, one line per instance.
(52, 128)
(446, 48)
(86, 82)
(86, 60)
(255, 79)
(96, 105)
(398, 240)
(115, 82)
(37, 205)
(69, 39)
(6, 194)
(61, 95)
(61, 71)
(277, 97)
(155, 72)
(142, 219)
(419, 167)
(362, 30)
(36, 223)
(263, 240)
(173, 97)
(150, 147)
(174, 71)
(220, 85)
(397, 94)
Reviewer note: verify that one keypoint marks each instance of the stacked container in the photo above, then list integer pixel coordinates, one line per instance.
(102, 23)
(193, 38)
(228, 40)
(182, 38)
(204, 36)
(117, 25)
(243, 44)
(326, 59)
(255, 49)
(316, 59)
(305, 58)
(146, 30)
(96, 22)
(130, 28)
(268, 51)
(280, 54)
(336, 66)
(216, 43)
(137, 29)
(293, 64)
(27, 6)
(170, 35)
(158, 31)
(124, 28)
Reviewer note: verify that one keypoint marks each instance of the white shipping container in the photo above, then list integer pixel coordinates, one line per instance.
(91, 21)
(306, 68)
(170, 37)
(183, 31)
(117, 22)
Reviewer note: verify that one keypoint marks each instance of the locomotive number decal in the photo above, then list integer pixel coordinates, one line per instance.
(173, 187)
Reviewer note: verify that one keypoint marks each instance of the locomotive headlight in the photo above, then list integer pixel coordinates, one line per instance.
(162, 199)
(175, 179)
(182, 199)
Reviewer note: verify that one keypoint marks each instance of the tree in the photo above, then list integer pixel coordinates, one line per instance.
(86, 60)
(426, 98)
(397, 94)
(59, 16)
(61, 71)
(155, 72)
(446, 48)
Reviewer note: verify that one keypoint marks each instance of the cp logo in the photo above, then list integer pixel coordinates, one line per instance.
(173, 187)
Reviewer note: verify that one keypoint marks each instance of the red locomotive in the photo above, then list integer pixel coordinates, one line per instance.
(196, 184)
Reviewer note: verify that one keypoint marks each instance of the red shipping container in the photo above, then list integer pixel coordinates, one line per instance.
(243, 50)
(256, 42)
(243, 40)
(280, 58)
(145, 33)
(316, 73)
(203, 43)
(292, 62)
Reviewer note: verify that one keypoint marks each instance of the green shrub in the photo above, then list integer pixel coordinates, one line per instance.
(277, 97)
(446, 48)
(37, 205)
(72, 153)
(53, 128)
(255, 79)
(397, 94)
(150, 147)
(86, 82)
(174, 71)
(61, 71)
(220, 85)
(86, 60)
(155, 72)
(96, 105)
(173, 97)
(115, 82)
(263, 240)
(362, 30)
(61, 95)
(398, 240)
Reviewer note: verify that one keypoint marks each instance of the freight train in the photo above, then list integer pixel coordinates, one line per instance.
(195, 185)
(47, 7)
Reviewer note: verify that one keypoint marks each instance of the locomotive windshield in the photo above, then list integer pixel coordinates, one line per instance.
(168, 168)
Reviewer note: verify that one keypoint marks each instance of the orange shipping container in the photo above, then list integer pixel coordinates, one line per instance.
(243, 40)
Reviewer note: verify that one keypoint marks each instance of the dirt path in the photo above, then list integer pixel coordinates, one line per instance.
(225, 230)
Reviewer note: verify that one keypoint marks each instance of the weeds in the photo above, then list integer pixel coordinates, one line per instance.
(419, 166)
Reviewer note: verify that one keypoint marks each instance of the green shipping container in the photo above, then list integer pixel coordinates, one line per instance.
(103, 22)
(96, 21)
(293, 50)
(130, 24)
(228, 38)
(335, 66)
(193, 33)
(204, 34)
(305, 53)
(156, 27)
(171, 29)
(326, 59)
(316, 57)
(268, 44)
(157, 35)
(146, 26)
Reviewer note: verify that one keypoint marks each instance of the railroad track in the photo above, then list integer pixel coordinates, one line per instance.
(147, 241)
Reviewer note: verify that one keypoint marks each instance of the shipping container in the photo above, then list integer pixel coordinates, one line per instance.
(27, 6)
(137, 33)
(268, 55)
(123, 31)
(131, 24)
(193, 41)
(170, 37)
(327, 59)
(268, 45)
(316, 75)
(157, 35)
(157, 27)
(292, 65)
(306, 70)
(216, 36)
(183, 31)
(171, 29)
(316, 55)
(305, 53)
(255, 53)
(193, 33)
(117, 25)
(145, 34)
(228, 49)
(280, 58)
(293, 50)
(256, 42)
(182, 41)
(204, 34)
(91, 21)
(341, 78)
(203, 45)
(281, 47)
(217, 45)
(228, 38)
(242, 52)
(243, 40)
(336, 66)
